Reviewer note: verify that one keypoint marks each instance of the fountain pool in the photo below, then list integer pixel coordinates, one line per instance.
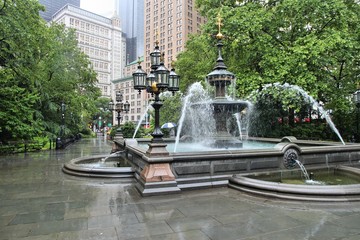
(105, 166)
(318, 176)
(207, 146)
(334, 184)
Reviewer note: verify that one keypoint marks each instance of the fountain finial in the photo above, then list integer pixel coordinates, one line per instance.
(219, 36)
(220, 77)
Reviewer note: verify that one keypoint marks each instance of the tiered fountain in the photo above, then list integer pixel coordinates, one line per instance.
(223, 109)
(159, 172)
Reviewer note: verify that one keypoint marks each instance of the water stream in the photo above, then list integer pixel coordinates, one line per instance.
(238, 121)
(303, 169)
(102, 160)
(141, 119)
(312, 101)
(200, 116)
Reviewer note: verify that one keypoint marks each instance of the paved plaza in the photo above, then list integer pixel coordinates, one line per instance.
(38, 201)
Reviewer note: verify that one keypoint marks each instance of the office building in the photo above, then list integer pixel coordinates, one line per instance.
(52, 6)
(131, 14)
(101, 39)
(170, 22)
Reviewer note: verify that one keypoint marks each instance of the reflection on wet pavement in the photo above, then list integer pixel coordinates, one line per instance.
(39, 201)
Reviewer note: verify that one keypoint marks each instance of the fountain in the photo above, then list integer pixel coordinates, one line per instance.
(209, 116)
(114, 165)
(225, 159)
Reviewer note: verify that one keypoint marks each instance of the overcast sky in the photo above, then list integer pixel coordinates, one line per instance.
(101, 7)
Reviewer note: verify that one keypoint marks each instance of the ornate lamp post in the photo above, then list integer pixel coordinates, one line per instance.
(157, 160)
(158, 80)
(63, 108)
(59, 143)
(357, 103)
(119, 107)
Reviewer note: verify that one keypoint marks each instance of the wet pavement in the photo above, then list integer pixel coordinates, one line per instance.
(38, 201)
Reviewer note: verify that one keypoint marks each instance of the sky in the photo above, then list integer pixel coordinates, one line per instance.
(101, 7)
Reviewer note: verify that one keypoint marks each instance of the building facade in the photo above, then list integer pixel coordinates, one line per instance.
(170, 22)
(101, 39)
(52, 6)
(138, 101)
(131, 14)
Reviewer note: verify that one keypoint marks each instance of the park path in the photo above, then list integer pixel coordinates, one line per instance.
(38, 201)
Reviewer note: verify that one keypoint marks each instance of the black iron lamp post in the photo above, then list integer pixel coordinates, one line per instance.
(59, 143)
(156, 169)
(119, 106)
(158, 80)
(357, 103)
(63, 108)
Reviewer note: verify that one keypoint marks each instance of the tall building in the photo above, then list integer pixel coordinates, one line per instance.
(170, 22)
(101, 39)
(132, 24)
(52, 6)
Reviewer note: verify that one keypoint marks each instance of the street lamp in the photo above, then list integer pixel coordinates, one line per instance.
(357, 104)
(63, 108)
(59, 143)
(119, 106)
(158, 80)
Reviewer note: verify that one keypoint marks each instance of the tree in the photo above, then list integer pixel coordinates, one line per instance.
(196, 62)
(171, 109)
(313, 44)
(20, 37)
(66, 79)
(41, 67)
(103, 111)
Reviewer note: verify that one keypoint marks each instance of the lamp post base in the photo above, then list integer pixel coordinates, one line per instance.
(157, 178)
(156, 188)
(157, 149)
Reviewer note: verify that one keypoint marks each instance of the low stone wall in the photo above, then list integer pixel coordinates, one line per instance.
(208, 169)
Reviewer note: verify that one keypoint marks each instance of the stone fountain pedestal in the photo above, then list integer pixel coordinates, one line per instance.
(223, 110)
(157, 177)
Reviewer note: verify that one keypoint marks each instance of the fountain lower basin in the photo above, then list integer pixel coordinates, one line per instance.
(268, 187)
(206, 169)
(116, 166)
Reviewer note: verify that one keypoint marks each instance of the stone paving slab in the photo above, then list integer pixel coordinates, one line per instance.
(38, 201)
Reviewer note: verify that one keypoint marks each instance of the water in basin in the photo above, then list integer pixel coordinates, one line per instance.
(329, 176)
(202, 147)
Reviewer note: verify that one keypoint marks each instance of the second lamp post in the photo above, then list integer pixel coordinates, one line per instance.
(119, 106)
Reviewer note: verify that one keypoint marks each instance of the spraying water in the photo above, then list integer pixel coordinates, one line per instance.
(237, 116)
(141, 119)
(308, 179)
(303, 169)
(312, 101)
(102, 160)
(200, 117)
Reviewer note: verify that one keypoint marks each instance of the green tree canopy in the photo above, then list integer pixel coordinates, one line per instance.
(313, 44)
(40, 68)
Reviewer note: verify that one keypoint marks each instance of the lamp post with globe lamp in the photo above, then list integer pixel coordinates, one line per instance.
(157, 159)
